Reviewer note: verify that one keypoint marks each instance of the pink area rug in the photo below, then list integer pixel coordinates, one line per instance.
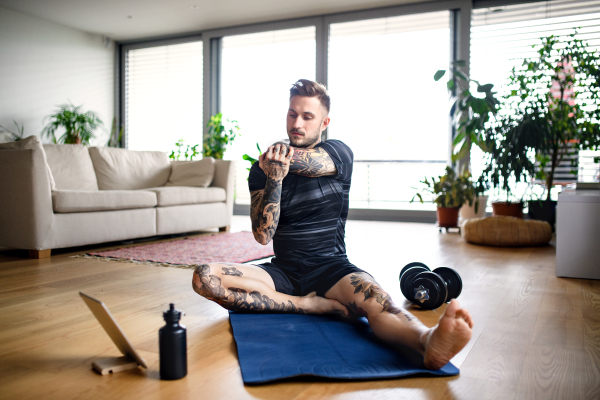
(188, 252)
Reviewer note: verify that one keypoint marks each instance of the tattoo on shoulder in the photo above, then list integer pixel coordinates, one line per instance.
(312, 163)
(366, 285)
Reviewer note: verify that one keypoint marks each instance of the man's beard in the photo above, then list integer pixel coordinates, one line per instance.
(303, 141)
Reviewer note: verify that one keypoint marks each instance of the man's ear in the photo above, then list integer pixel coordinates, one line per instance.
(324, 123)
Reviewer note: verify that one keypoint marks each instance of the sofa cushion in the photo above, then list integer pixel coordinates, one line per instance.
(179, 195)
(192, 173)
(70, 201)
(122, 169)
(30, 142)
(71, 167)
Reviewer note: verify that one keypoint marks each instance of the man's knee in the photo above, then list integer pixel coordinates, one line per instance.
(206, 281)
(370, 297)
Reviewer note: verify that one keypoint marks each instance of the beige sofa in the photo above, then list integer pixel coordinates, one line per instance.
(56, 196)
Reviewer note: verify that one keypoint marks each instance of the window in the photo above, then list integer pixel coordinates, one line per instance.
(258, 70)
(386, 106)
(163, 96)
(501, 37)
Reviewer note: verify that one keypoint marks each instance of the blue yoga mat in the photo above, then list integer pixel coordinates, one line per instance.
(278, 346)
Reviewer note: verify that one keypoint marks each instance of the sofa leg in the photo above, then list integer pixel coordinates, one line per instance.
(40, 253)
(224, 228)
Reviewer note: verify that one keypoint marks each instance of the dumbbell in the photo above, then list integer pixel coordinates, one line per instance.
(427, 289)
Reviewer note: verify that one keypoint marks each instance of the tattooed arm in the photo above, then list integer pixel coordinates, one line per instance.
(265, 205)
(310, 162)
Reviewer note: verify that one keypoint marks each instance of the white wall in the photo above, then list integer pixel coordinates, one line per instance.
(44, 64)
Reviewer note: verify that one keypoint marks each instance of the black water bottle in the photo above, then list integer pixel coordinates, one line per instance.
(172, 346)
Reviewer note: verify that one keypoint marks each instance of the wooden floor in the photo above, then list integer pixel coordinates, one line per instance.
(535, 337)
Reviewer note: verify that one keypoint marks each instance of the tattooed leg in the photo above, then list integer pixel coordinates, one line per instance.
(365, 297)
(395, 325)
(241, 287)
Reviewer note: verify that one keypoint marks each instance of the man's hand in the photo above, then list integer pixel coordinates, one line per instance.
(275, 162)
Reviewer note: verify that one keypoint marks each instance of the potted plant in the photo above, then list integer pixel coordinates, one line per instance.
(556, 97)
(508, 162)
(473, 106)
(79, 126)
(477, 208)
(219, 136)
(449, 192)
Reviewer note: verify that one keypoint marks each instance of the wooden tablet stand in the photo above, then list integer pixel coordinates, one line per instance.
(110, 365)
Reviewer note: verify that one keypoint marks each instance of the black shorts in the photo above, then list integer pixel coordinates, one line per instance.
(299, 278)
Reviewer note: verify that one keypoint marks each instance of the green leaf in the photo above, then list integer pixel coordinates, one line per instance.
(459, 138)
(438, 75)
(459, 63)
(464, 150)
(478, 105)
(248, 158)
(484, 88)
(450, 84)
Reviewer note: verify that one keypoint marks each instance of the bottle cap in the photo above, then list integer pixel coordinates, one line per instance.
(172, 315)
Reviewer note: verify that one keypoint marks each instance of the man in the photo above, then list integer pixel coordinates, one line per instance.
(300, 201)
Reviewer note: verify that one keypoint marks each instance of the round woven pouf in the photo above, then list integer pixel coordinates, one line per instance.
(506, 231)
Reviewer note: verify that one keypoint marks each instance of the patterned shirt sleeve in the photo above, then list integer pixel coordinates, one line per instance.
(257, 180)
(342, 157)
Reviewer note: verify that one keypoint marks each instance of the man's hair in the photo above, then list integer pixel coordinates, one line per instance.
(306, 88)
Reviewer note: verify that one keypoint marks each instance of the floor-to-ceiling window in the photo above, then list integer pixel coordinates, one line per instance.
(386, 105)
(163, 96)
(257, 71)
(502, 36)
(378, 66)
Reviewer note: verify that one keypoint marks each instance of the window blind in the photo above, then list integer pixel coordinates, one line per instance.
(501, 37)
(163, 96)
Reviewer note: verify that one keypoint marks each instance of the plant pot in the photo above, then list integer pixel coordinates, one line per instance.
(508, 209)
(467, 211)
(543, 210)
(447, 217)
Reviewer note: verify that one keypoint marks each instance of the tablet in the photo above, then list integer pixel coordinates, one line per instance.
(111, 327)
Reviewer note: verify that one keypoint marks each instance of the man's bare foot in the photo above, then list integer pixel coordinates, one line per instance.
(448, 337)
(313, 304)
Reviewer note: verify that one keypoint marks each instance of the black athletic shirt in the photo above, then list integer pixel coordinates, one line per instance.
(313, 213)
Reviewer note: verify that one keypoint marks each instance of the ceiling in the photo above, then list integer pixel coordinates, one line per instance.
(136, 19)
